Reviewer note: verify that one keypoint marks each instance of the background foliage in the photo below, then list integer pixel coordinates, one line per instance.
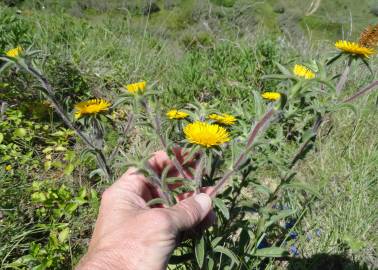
(216, 52)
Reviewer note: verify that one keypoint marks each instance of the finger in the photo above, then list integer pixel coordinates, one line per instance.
(160, 160)
(186, 195)
(190, 212)
(132, 187)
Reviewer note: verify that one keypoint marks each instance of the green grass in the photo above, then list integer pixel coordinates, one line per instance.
(344, 167)
(192, 53)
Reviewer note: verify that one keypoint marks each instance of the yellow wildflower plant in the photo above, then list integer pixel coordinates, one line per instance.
(176, 114)
(303, 72)
(224, 119)
(354, 48)
(91, 107)
(15, 52)
(205, 134)
(271, 96)
(8, 168)
(136, 88)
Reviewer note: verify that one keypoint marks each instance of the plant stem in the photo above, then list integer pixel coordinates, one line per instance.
(199, 172)
(156, 123)
(362, 91)
(121, 140)
(344, 77)
(49, 94)
(251, 138)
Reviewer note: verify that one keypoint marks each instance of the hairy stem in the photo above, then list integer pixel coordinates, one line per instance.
(49, 94)
(121, 140)
(362, 91)
(251, 138)
(156, 123)
(199, 172)
(344, 77)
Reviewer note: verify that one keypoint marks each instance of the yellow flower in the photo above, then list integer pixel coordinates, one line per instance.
(302, 71)
(206, 134)
(271, 96)
(136, 88)
(224, 119)
(176, 114)
(354, 48)
(92, 106)
(8, 168)
(15, 52)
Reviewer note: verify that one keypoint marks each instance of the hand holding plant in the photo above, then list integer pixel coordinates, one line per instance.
(129, 234)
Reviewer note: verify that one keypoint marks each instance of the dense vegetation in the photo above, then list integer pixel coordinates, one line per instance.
(219, 56)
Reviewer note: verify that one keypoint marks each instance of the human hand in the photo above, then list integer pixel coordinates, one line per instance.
(130, 235)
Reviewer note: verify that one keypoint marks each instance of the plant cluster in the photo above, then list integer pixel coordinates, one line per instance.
(249, 156)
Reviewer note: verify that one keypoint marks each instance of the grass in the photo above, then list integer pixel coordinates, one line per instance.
(192, 53)
(343, 220)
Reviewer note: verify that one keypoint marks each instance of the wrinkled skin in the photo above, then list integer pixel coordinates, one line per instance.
(130, 235)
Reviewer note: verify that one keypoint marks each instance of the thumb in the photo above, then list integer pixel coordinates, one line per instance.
(190, 212)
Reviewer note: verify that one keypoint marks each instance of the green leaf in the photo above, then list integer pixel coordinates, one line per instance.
(272, 252)
(354, 244)
(276, 76)
(69, 169)
(1, 137)
(20, 132)
(63, 235)
(216, 241)
(333, 59)
(99, 172)
(71, 207)
(283, 69)
(228, 253)
(210, 263)
(222, 207)
(156, 201)
(344, 106)
(302, 186)
(281, 215)
(199, 250)
(261, 189)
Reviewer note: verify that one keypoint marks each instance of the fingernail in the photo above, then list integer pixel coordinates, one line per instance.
(204, 201)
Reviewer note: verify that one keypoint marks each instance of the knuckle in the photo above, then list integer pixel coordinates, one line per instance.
(192, 213)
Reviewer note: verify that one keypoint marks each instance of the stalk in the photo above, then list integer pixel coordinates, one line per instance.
(49, 94)
(362, 91)
(199, 172)
(243, 156)
(344, 77)
(156, 123)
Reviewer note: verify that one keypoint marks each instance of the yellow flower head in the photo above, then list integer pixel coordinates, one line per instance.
(354, 48)
(224, 119)
(8, 168)
(271, 96)
(206, 134)
(176, 114)
(15, 52)
(304, 72)
(92, 106)
(136, 88)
